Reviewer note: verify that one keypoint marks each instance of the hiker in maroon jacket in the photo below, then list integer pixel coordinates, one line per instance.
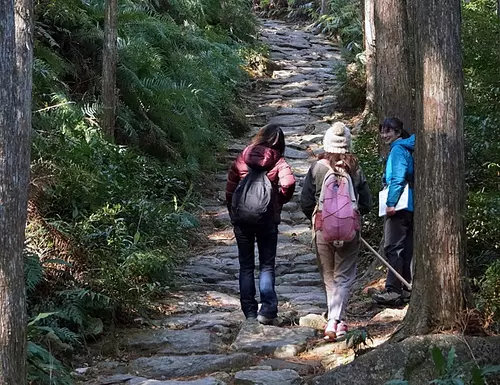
(264, 153)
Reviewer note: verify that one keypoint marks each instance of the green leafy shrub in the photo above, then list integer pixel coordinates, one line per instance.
(366, 149)
(481, 53)
(351, 88)
(489, 295)
(343, 21)
(109, 222)
(483, 221)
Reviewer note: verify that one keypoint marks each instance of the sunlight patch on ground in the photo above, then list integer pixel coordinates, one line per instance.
(225, 236)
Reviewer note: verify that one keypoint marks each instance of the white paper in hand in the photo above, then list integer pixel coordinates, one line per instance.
(382, 199)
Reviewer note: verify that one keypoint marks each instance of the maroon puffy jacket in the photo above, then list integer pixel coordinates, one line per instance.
(262, 157)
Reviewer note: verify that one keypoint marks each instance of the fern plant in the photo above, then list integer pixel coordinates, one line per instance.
(43, 367)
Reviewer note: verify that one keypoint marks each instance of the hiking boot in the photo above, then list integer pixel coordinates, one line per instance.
(341, 329)
(331, 330)
(405, 296)
(389, 298)
(265, 320)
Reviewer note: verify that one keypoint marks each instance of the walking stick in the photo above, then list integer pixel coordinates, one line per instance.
(408, 285)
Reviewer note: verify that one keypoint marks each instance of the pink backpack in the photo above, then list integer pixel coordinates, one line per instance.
(338, 206)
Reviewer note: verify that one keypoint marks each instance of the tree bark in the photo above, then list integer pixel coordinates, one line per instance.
(109, 61)
(394, 74)
(370, 58)
(440, 287)
(324, 7)
(16, 56)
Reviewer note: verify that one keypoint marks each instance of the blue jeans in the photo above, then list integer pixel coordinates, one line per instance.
(267, 240)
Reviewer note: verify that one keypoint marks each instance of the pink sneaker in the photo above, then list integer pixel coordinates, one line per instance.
(341, 329)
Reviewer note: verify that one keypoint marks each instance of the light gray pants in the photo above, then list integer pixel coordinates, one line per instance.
(337, 266)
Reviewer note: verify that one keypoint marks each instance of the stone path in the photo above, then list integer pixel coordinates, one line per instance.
(205, 340)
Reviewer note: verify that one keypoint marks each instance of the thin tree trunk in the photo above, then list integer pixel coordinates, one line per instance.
(324, 7)
(109, 61)
(370, 66)
(15, 125)
(440, 285)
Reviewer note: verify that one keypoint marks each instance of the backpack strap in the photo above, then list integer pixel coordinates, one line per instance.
(338, 171)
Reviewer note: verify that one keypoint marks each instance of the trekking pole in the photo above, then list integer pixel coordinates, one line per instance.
(408, 285)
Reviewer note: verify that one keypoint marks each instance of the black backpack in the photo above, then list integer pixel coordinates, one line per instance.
(253, 199)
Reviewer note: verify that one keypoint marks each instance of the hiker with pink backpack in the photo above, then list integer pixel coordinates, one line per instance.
(334, 196)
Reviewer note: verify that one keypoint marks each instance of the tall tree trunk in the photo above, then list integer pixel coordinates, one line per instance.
(109, 60)
(439, 283)
(16, 55)
(394, 75)
(324, 7)
(370, 66)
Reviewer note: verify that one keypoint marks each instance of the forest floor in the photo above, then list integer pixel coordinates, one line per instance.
(201, 337)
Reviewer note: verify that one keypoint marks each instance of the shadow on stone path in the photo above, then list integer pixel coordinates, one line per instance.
(205, 339)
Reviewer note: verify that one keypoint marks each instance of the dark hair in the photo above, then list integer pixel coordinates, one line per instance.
(394, 124)
(350, 161)
(271, 136)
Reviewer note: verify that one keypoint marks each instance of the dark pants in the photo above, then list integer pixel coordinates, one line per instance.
(267, 240)
(398, 247)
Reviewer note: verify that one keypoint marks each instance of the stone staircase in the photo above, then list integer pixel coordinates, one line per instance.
(205, 340)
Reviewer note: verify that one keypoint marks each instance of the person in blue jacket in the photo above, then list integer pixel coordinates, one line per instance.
(398, 225)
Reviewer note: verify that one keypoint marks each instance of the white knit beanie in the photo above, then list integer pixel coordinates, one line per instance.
(337, 139)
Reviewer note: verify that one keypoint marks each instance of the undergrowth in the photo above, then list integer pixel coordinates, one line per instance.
(109, 221)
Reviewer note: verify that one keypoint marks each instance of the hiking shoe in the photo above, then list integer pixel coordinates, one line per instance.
(405, 296)
(331, 330)
(341, 329)
(386, 297)
(265, 320)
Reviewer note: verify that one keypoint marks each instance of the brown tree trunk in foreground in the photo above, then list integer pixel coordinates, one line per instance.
(109, 60)
(394, 74)
(439, 290)
(16, 55)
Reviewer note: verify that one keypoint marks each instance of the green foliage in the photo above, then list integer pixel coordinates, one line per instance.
(43, 367)
(234, 18)
(351, 82)
(178, 70)
(483, 221)
(357, 338)
(481, 60)
(366, 149)
(481, 52)
(123, 208)
(343, 21)
(302, 9)
(489, 295)
(33, 271)
(110, 221)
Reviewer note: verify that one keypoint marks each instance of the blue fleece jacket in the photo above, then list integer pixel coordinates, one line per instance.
(399, 170)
